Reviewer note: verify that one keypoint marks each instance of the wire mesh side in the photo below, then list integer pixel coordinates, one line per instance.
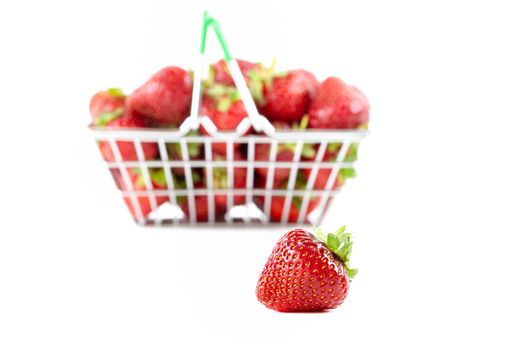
(124, 175)
(294, 195)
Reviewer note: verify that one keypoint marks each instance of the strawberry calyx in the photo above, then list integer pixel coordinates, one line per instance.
(194, 149)
(104, 118)
(115, 92)
(156, 176)
(261, 78)
(223, 96)
(220, 178)
(340, 243)
(300, 184)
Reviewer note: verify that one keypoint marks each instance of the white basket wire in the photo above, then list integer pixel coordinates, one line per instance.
(170, 212)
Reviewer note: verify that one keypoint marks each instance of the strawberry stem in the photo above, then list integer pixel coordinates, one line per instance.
(340, 243)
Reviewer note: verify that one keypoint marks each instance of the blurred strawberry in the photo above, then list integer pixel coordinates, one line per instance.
(330, 155)
(285, 96)
(221, 73)
(175, 153)
(158, 182)
(278, 201)
(338, 106)
(201, 209)
(284, 153)
(223, 105)
(220, 180)
(110, 101)
(165, 97)
(119, 119)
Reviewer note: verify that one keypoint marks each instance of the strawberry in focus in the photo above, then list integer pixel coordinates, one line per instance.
(165, 97)
(338, 106)
(307, 272)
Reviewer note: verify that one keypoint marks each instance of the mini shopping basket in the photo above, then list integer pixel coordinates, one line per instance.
(169, 213)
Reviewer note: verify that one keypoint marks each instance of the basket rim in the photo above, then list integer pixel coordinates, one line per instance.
(309, 135)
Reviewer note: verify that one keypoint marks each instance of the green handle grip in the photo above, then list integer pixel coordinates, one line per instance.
(208, 21)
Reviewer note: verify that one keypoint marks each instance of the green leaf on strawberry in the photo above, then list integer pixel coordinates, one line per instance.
(224, 104)
(115, 92)
(157, 177)
(105, 118)
(308, 150)
(340, 243)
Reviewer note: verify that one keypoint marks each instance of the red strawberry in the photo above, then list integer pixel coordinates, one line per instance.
(165, 97)
(284, 153)
(278, 201)
(288, 96)
(110, 101)
(158, 182)
(224, 107)
(338, 106)
(220, 180)
(130, 120)
(225, 114)
(330, 155)
(201, 209)
(175, 153)
(221, 73)
(306, 272)
(277, 207)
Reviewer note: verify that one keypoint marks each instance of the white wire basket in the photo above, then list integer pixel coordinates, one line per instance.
(183, 199)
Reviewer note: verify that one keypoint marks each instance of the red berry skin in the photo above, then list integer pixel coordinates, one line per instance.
(338, 106)
(223, 120)
(322, 177)
(201, 209)
(277, 202)
(130, 120)
(277, 208)
(143, 200)
(222, 73)
(302, 275)
(220, 177)
(288, 98)
(262, 154)
(165, 97)
(104, 101)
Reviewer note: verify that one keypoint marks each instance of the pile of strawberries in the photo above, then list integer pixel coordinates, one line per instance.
(290, 100)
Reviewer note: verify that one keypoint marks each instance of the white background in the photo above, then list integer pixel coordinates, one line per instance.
(437, 210)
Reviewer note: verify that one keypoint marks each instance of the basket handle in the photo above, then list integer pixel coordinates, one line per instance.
(259, 122)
